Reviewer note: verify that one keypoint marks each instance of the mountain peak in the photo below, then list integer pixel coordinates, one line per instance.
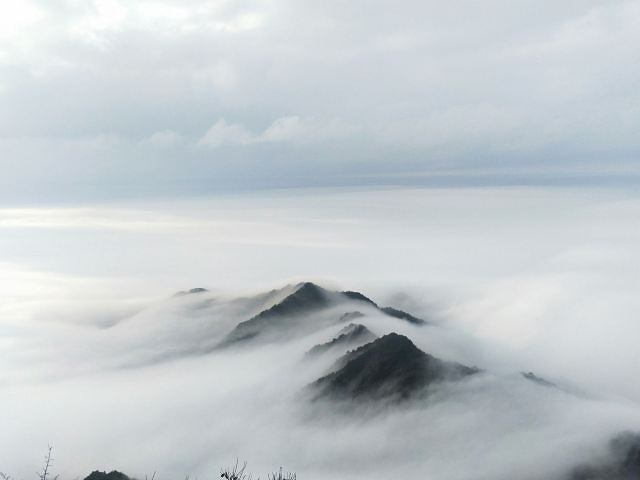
(390, 368)
(353, 328)
(308, 286)
(536, 379)
(112, 475)
(353, 335)
(395, 313)
(191, 291)
(358, 297)
(624, 462)
(286, 318)
(278, 319)
(397, 341)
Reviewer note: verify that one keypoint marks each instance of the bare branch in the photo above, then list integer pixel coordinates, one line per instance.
(280, 475)
(48, 463)
(236, 473)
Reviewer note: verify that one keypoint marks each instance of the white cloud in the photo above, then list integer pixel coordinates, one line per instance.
(425, 86)
(290, 129)
(306, 130)
(165, 138)
(245, 21)
(284, 129)
(16, 17)
(223, 133)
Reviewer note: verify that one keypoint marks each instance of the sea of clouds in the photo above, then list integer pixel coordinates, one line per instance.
(100, 360)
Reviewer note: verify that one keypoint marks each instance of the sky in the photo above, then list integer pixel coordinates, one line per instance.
(474, 163)
(107, 99)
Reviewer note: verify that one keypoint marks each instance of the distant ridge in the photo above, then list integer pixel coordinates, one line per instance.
(190, 292)
(359, 297)
(390, 368)
(536, 379)
(624, 464)
(307, 298)
(347, 316)
(284, 317)
(112, 475)
(394, 312)
(352, 335)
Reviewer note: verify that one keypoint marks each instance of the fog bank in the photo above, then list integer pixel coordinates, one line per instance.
(102, 361)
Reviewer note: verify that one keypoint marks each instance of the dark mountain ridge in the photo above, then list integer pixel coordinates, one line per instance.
(283, 318)
(353, 335)
(624, 450)
(307, 298)
(391, 368)
(112, 475)
(394, 312)
(191, 291)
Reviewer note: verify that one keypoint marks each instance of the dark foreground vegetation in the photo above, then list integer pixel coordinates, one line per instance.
(237, 472)
(624, 464)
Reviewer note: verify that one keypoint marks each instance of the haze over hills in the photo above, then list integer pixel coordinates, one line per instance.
(353, 335)
(307, 357)
(623, 463)
(389, 367)
(359, 240)
(284, 318)
(386, 370)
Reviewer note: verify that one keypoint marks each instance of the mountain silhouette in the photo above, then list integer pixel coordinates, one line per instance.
(306, 299)
(390, 311)
(536, 379)
(347, 316)
(391, 367)
(625, 464)
(394, 312)
(353, 335)
(288, 316)
(190, 291)
(358, 297)
(112, 475)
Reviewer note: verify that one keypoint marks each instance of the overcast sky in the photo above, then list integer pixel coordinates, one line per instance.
(121, 121)
(112, 99)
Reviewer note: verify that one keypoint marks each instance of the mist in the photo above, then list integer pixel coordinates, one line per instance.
(104, 362)
(358, 240)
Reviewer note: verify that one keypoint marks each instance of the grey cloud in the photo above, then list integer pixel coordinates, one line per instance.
(289, 129)
(384, 88)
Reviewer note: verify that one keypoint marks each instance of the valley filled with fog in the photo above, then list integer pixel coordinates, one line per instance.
(108, 356)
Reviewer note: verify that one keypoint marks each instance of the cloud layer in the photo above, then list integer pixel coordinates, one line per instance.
(515, 280)
(296, 93)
